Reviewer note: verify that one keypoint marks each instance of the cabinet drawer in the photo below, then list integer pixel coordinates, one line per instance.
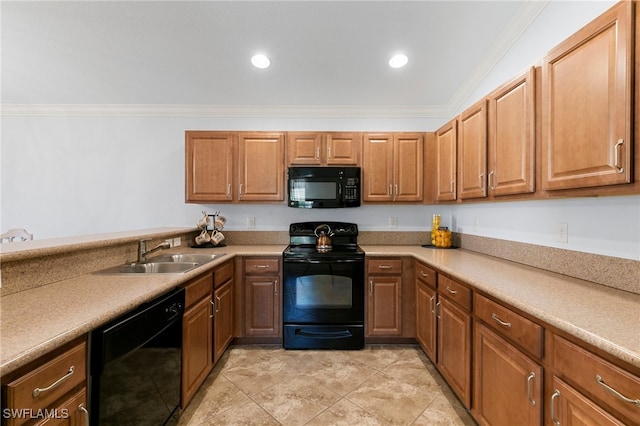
(384, 266)
(223, 274)
(261, 265)
(426, 274)
(197, 289)
(455, 291)
(511, 325)
(46, 384)
(597, 377)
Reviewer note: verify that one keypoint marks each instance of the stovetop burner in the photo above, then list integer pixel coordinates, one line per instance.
(302, 241)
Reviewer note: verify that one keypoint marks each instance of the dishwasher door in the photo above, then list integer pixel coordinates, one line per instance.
(135, 365)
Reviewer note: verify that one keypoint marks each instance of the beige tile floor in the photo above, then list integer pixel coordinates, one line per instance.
(379, 385)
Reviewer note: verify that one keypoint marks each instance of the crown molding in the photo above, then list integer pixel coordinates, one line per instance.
(525, 16)
(219, 111)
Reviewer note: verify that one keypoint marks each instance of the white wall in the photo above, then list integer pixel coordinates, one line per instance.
(69, 175)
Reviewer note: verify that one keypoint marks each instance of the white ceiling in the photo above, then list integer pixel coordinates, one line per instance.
(323, 53)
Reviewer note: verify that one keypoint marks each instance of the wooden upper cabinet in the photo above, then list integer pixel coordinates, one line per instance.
(587, 105)
(234, 166)
(472, 151)
(377, 153)
(261, 166)
(408, 166)
(446, 162)
(393, 164)
(316, 148)
(343, 148)
(512, 136)
(209, 166)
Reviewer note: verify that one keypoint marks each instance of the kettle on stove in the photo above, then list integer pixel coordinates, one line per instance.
(323, 242)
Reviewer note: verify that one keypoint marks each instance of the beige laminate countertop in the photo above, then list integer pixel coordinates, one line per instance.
(36, 321)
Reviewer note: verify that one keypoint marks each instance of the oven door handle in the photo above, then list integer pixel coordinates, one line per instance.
(342, 334)
(323, 261)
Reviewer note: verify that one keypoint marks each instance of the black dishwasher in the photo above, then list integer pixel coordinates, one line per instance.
(135, 365)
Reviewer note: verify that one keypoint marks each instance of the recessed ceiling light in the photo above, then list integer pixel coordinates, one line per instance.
(260, 61)
(398, 61)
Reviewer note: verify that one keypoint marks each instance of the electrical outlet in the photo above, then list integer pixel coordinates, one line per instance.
(393, 222)
(251, 222)
(563, 232)
(177, 242)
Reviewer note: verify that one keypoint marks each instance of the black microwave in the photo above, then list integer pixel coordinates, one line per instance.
(324, 187)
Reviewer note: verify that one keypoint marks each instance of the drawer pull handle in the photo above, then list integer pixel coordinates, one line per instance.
(532, 376)
(424, 274)
(601, 382)
(452, 291)
(432, 306)
(262, 266)
(275, 287)
(213, 309)
(84, 410)
(219, 304)
(438, 310)
(38, 391)
(555, 395)
(499, 321)
(384, 266)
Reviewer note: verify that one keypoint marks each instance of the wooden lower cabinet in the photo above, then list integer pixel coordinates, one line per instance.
(384, 298)
(426, 299)
(567, 406)
(507, 383)
(222, 319)
(223, 309)
(454, 348)
(72, 412)
(61, 377)
(197, 336)
(262, 297)
(596, 385)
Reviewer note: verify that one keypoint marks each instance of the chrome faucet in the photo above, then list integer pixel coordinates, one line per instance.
(142, 249)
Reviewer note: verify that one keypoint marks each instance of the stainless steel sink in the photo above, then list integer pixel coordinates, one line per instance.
(178, 263)
(187, 257)
(151, 268)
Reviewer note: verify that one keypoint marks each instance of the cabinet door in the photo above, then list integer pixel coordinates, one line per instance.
(261, 167)
(569, 407)
(304, 148)
(262, 305)
(72, 412)
(587, 105)
(377, 167)
(512, 136)
(343, 148)
(454, 348)
(446, 161)
(209, 166)
(426, 318)
(507, 384)
(472, 151)
(197, 347)
(408, 160)
(222, 319)
(384, 307)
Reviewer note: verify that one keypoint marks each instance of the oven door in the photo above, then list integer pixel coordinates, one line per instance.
(328, 291)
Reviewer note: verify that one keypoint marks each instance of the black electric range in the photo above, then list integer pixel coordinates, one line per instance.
(323, 290)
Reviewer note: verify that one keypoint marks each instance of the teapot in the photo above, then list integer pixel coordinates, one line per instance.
(323, 243)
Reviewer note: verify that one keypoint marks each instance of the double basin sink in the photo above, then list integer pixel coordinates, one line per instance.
(164, 264)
